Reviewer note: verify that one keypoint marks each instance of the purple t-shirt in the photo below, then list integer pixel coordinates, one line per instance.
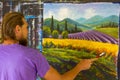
(21, 63)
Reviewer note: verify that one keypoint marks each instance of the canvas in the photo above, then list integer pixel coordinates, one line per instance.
(72, 32)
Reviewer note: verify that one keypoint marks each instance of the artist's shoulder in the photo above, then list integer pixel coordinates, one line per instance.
(30, 50)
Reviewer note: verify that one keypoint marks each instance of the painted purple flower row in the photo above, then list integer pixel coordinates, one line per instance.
(93, 36)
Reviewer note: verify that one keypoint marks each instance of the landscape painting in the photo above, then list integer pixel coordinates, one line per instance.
(72, 32)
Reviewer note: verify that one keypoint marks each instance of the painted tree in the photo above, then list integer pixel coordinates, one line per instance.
(65, 34)
(76, 28)
(52, 24)
(58, 28)
(66, 29)
(46, 32)
(55, 34)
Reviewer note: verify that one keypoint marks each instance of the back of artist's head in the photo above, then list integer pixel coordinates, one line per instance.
(9, 23)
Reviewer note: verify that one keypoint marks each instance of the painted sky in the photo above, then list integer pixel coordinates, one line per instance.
(83, 10)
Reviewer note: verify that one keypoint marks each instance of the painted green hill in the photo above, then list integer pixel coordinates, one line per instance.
(110, 31)
(47, 22)
(70, 23)
(70, 26)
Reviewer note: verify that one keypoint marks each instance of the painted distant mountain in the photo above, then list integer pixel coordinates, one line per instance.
(112, 18)
(97, 20)
(88, 24)
(93, 19)
(80, 20)
(70, 21)
(104, 21)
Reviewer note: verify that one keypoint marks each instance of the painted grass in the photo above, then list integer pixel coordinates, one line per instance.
(65, 59)
(110, 31)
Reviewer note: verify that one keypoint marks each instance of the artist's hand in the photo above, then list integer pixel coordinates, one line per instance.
(86, 63)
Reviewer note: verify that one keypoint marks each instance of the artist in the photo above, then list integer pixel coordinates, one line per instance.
(18, 62)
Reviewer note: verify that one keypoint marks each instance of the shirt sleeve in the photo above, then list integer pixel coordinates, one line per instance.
(42, 65)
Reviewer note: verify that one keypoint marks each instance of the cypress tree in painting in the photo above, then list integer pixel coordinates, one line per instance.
(58, 28)
(66, 29)
(75, 28)
(52, 24)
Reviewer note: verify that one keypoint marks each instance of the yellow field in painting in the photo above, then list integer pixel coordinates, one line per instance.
(99, 47)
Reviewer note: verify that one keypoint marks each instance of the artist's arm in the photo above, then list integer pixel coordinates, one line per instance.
(52, 74)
